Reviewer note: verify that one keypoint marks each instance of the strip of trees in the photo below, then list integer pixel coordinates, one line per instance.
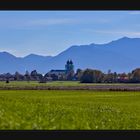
(97, 76)
(84, 76)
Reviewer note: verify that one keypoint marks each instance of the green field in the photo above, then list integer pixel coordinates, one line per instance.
(35, 83)
(69, 110)
(56, 83)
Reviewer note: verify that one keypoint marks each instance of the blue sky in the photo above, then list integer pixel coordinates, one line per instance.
(51, 32)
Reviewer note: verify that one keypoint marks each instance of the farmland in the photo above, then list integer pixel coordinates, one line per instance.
(68, 85)
(69, 110)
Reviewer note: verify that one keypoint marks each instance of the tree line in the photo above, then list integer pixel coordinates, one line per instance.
(84, 76)
(97, 76)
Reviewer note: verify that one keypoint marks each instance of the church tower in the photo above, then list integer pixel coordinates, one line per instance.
(69, 66)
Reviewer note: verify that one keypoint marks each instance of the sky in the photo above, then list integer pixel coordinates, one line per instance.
(48, 33)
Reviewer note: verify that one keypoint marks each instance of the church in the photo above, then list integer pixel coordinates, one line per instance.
(63, 74)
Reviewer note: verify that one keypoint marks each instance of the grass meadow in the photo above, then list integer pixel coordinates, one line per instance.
(57, 83)
(69, 110)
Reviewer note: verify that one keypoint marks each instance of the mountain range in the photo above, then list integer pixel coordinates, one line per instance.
(122, 55)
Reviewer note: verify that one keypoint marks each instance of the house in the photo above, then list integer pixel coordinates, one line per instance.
(57, 72)
(123, 78)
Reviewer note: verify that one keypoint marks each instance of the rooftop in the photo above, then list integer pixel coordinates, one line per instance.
(57, 70)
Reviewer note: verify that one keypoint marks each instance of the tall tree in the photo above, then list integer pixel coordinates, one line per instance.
(91, 76)
(27, 76)
(136, 75)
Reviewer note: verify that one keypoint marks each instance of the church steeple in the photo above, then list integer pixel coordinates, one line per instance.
(71, 62)
(69, 66)
(68, 62)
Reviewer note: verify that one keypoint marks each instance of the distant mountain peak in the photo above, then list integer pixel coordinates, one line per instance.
(120, 39)
(7, 54)
(4, 52)
(33, 55)
(125, 37)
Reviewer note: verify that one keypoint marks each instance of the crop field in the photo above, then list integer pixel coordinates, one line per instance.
(35, 83)
(69, 110)
(56, 83)
(68, 85)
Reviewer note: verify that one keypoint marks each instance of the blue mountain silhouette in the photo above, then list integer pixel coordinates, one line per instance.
(120, 55)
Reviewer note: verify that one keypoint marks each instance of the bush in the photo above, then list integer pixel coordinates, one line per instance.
(7, 81)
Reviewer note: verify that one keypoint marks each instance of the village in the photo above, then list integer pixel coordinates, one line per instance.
(68, 74)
